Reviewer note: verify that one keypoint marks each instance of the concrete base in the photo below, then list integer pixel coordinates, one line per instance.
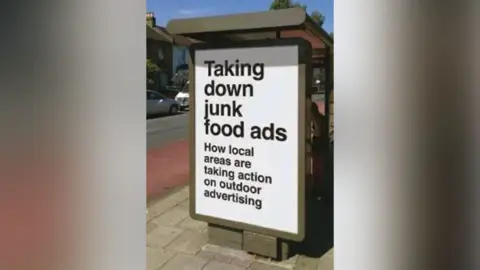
(260, 244)
(263, 245)
(225, 237)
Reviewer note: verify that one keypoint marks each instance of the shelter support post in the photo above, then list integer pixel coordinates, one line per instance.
(328, 85)
(328, 173)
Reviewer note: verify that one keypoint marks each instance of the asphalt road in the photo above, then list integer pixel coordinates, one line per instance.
(164, 130)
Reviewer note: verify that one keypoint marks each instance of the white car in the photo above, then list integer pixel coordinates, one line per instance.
(183, 98)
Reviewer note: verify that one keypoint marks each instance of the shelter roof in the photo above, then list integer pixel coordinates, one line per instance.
(285, 23)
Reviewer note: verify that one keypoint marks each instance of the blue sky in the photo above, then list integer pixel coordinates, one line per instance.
(168, 9)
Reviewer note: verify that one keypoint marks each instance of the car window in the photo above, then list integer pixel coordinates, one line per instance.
(154, 96)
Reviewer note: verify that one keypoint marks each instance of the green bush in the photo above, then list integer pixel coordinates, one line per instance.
(152, 71)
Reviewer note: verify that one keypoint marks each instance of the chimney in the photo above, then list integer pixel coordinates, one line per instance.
(151, 19)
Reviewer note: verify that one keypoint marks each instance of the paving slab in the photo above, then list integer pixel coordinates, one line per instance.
(214, 256)
(329, 253)
(185, 204)
(286, 264)
(156, 257)
(188, 242)
(226, 255)
(265, 266)
(216, 265)
(167, 203)
(184, 262)
(194, 225)
(243, 261)
(176, 241)
(151, 226)
(171, 217)
(207, 255)
(306, 263)
(162, 236)
(325, 263)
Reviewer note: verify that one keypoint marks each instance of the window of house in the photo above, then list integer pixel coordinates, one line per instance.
(163, 78)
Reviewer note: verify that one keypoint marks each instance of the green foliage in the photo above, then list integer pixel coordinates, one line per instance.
(318, 17)
(280, 4)
(331, 34)
(152, 70)
(284, 4)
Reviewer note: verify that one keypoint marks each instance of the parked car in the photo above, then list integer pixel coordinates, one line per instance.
(160, 104)
(183, 97)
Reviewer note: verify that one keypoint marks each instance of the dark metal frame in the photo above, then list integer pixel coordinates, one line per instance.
(304, 52)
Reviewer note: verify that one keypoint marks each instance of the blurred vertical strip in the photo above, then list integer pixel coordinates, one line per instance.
(73, 157)
(403, 182)
(475, 112)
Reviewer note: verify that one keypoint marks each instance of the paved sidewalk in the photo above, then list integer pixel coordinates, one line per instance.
(177, 242)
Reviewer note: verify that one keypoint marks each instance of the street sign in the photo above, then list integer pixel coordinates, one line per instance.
(248, 136)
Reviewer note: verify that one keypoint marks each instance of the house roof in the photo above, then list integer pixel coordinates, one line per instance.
(157, 34)
(161, 33)
(285, 23)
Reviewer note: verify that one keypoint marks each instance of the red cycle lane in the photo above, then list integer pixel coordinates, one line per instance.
(167, 168)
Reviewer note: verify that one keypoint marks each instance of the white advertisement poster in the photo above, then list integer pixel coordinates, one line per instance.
(246, 136)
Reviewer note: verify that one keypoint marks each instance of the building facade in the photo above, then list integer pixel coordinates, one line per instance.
(165, 50)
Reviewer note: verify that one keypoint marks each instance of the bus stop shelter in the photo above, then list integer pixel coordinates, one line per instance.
(267, 25)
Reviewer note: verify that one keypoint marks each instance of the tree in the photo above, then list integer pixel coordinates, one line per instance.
(331, 34)
(152, 70)
(284, 4)
(280, 4)
(318, 17)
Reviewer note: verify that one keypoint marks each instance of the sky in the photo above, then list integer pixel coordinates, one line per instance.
(174, 9)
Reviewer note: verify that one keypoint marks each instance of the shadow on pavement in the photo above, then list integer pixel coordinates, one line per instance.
(319, 220)
(319, 230)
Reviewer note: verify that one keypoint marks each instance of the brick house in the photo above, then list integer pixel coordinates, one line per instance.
(166, 50)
